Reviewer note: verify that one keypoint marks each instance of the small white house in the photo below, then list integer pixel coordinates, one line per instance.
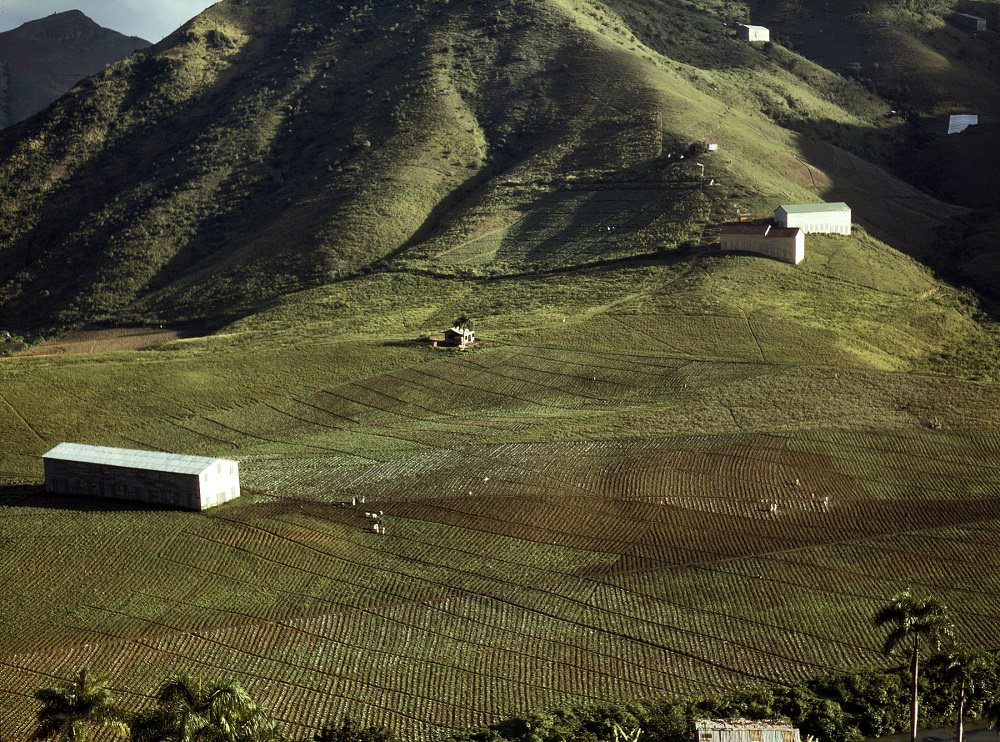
(825, 218)
(459, 336)
(784, 244)
(754, 33)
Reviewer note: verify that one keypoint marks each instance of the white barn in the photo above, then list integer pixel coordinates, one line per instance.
(786, 245)
(825, 218)
(178, 480)
(969, 22)
(754, 33)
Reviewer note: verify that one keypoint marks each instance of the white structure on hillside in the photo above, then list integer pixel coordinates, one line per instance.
(962, 121)
(787, 245)
(754, 33)
(178, 480)
(459, 336)
(828, 218)
(744, 730)
(969, 22)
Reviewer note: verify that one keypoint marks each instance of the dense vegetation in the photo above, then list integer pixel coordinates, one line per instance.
(832, 708)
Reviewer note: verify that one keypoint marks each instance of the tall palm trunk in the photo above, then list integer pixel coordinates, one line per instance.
(914, 674)
(960, 725)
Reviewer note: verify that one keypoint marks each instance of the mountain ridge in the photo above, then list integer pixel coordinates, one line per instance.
(44, 58)
(269, 147)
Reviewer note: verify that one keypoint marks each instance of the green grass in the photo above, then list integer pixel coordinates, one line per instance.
(619, 429)
(576, 507)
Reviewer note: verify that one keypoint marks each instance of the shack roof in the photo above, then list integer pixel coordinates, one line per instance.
(969, 15)
(129, 458)
(813, 208)
(755, 28)
(745, 228)
(959, 122)
(729, 724)
(784, 232)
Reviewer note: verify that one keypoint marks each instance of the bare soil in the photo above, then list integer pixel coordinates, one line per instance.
(106, 341)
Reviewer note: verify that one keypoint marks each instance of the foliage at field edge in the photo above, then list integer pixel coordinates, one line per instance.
(846, 707)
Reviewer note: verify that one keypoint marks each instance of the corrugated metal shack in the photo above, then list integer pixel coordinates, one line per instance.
(744, 730)
(177, 480)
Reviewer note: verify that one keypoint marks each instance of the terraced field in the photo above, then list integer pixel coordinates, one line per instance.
(561, 525)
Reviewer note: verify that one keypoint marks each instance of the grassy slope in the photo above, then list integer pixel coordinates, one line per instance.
(597, 394)
(509, 139)
(575, 508)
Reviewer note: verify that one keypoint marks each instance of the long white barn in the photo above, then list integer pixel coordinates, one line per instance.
(828, 218)
(178, 480)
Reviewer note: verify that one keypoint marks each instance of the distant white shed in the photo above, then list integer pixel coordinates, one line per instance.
(828, 218)
(754, 33)
(744, 730)
(962, 121)
(969, 22)
(178, 480)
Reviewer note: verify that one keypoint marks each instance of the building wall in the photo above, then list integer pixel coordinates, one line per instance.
(187, 491)
(786, 249)
(969, 22)
(820, 222)
(220, 483)
(755, 34)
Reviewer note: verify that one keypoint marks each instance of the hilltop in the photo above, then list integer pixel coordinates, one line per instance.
(268, 147)
(40, 60)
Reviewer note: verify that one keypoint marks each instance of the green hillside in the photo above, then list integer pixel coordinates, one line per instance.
(267, 147)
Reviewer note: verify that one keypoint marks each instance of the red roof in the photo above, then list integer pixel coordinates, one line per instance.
(745, 228)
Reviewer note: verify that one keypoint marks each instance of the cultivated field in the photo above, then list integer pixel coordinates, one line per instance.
(105, 341)
(578, 510)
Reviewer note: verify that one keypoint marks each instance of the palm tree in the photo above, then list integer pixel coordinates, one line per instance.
(190, 710)
(71, 710)
(914, 622)
(964, 671)
(463, 323)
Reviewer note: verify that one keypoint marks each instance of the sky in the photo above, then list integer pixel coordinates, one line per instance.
(149, 19)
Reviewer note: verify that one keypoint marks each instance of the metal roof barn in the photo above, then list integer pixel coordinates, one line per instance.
(178, 480)
(822, 218)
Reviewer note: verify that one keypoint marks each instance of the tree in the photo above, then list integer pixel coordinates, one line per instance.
(463, 323)
(915, 623)
(350, 730)
(963, 672)
(70, 711)
(190, 710)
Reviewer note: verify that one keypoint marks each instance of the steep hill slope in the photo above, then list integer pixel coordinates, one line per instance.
(915, 56)
(43, 59)
(271, 146)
